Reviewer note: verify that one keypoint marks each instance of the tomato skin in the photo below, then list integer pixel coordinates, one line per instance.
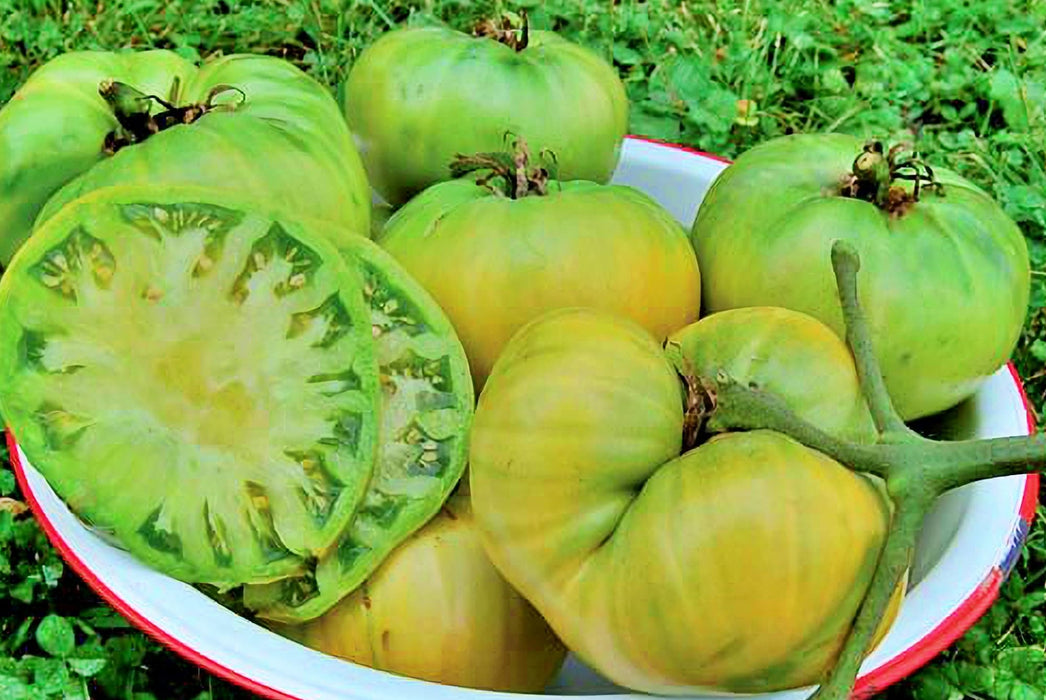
(944, 286)
(783, 352)
(286, 145)
(417, 97)
(495, 263)
(754, 551)
(438, 610)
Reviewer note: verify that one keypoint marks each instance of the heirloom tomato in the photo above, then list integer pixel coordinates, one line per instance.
(944, 274)
(419, 96)
(246, 125)
(779, 351)
(231, 397)
(495, 262)
(438, 610)
(194, 377)
(426, 412)
(737, 565)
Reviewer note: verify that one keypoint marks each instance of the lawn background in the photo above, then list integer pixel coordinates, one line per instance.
(964, 81)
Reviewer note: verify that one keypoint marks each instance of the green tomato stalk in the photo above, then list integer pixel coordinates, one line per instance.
(916, 469)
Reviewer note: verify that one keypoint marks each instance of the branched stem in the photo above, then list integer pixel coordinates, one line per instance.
(917, 470)
(966, 461)
(847, 263)
(742, 408)
(894, 560)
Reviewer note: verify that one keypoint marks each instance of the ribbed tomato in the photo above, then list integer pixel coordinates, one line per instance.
(417, 97)
(438, 610)
(735, 566)
(195, 377)
(944, 272)
(426, 411)
(495, 262)
(273, 133)
(779, 351)
(231, 397)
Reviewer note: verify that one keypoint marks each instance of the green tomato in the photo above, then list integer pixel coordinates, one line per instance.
(438, 610)
(194, 377)
(229, 395)
(495, 263)
(426, 412)
(778, 351)
(944, 280)
(281, 139)
(417, 97)
(736, 566)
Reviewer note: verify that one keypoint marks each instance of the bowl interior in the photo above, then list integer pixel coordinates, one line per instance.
(964, 545)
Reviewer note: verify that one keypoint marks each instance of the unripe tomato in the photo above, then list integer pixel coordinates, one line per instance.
(417, 97)
(738, 565)
(271, 133)
(495, 263)
(944, 277)
(438, 610)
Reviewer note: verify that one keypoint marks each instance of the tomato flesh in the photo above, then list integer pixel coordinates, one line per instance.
(195, 378)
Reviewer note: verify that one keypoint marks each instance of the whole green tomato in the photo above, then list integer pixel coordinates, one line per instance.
(247, 125)
(734, 565)
(417, 97)
(944, 275)
(438, 610)
(494, 262)
(778, 350)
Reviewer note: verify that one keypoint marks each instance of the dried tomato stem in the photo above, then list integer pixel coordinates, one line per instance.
(875, 171)
(699, 397)
(871, 173)
(133, 112)
(497, 165)
(518, 179)
(506, 31)
(917, 470)
(126, 101)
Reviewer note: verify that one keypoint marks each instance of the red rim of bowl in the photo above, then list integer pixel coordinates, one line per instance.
(902, 665)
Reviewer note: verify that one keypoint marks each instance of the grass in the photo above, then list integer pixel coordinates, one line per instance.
(964, 81)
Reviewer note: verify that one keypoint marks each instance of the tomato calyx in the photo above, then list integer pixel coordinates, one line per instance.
(874, 172)
(511, 30)
(916, 469)
(699, 397)
(133, 111)
(518, 178)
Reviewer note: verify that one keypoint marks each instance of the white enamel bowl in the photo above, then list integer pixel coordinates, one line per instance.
(965, 551)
